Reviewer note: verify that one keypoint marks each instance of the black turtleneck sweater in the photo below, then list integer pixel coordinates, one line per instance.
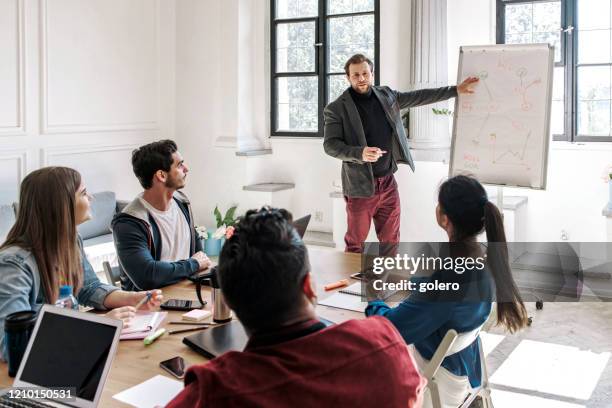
(378, 131)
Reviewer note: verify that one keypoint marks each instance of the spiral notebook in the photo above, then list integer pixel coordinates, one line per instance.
(143, 324)
(354, 289)
(349, 298)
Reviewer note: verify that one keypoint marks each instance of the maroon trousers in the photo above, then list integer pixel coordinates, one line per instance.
(383, 207)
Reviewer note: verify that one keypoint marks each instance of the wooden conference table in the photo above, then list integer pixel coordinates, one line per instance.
(134, 363)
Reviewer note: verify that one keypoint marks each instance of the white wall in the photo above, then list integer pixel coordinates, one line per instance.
(223, 105)
(470, 22)
(208, 129)
(211, 76)
(83, 83)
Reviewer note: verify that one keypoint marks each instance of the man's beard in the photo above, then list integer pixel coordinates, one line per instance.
(175, 184)
(358, 89)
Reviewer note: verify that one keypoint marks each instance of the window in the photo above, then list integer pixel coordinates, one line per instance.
(581, 31)
(310, 42)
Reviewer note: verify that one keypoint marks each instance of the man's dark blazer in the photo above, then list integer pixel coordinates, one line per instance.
(344, 137)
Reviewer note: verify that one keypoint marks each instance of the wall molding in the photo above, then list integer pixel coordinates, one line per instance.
(20, 129)
(47, 128)
(46, 153)
(21, 156)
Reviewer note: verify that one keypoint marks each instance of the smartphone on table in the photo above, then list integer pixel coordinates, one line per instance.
(358, 276)
(175, 366)
(181, 304)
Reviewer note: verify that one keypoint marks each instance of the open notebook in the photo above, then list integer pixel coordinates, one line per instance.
(349, 298)
(143, 324)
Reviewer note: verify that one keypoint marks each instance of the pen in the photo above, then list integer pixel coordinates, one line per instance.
(194, 324)
(188, 330)
(151, 338)
(336, 285)
(144, 300)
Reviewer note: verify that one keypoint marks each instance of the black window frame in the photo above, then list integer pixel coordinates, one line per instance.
(569, 60)
(321, 59)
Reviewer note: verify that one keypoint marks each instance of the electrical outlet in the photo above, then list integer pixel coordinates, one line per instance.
(318, 216)
(564, 235)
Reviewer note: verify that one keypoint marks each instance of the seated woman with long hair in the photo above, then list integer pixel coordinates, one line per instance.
(463, 212)
(43, 251)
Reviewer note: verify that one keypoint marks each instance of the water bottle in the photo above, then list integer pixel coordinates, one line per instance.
(66, 299)
(221, 311)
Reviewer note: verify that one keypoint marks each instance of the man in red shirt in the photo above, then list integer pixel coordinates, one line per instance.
(292, 358)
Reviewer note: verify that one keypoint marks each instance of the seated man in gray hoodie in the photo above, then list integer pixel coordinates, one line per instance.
(154, 235)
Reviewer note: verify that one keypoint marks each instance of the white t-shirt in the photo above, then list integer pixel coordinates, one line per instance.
(174, 231)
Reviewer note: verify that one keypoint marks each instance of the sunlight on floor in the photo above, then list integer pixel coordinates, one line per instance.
(505, 399)
(552, 369)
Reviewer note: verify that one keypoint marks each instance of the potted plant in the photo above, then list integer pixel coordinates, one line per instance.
(225, 229)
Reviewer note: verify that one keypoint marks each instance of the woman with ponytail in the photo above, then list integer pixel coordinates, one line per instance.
(463, 212)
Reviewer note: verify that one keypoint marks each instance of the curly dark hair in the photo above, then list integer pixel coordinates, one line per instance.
(262, 268)
(148, 159)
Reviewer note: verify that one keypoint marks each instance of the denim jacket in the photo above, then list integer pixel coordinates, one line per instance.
(423, 320)
(20, 285)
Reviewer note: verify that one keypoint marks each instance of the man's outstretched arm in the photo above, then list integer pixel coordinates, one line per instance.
(426, 96)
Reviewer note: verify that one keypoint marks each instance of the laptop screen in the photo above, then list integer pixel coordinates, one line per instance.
(301, 224)
(69, 352)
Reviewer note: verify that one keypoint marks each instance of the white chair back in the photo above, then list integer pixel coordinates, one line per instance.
(463, 340)
(452, 343)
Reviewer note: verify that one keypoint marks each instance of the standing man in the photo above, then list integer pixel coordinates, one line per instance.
(154, 234)
(364, 129)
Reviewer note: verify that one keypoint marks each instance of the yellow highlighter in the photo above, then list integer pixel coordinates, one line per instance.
(152, 337)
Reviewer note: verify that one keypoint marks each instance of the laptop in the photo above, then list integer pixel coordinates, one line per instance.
(220, 339)
(300, 226)
(67, 350)
(212, 343)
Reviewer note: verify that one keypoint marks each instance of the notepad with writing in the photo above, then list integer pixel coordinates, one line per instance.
(143, 324)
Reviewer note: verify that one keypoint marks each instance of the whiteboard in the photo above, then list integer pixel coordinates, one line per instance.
(501, 132)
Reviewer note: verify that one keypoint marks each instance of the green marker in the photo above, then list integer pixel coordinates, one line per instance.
(152, 337)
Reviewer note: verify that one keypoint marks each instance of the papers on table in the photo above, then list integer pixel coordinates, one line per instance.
(348, 298)
(157, 391)
(143, 324)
